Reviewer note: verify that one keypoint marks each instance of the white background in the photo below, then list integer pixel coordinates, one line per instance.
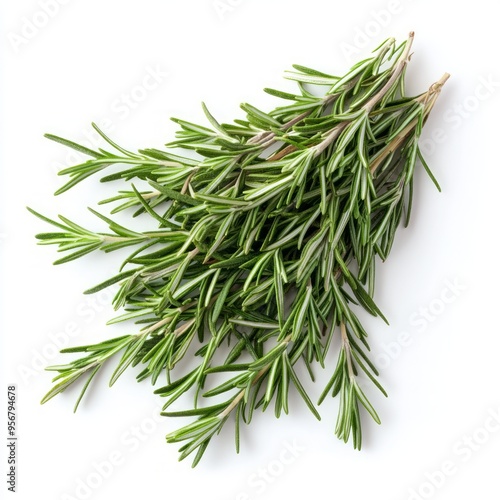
(440, 367)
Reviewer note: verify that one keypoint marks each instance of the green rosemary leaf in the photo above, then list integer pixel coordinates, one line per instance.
(195, 412)
(75, 146)
(127, 358)
(258, 117)
(301, 389)
(112, 143)
(281, 94)
(85, 387)
(266, 360)
(174, 195)
(61, 386)
(111, 281)
(364, 401)
(88, 248)
(428, 170)
(228, 385)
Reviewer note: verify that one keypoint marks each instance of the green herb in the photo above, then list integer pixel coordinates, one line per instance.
(266, 243)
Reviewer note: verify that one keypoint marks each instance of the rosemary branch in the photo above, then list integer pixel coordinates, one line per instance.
(262, 257)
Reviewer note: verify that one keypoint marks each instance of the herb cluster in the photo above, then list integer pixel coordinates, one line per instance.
(268, 236)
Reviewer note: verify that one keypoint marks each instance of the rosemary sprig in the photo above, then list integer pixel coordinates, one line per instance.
(266, 243)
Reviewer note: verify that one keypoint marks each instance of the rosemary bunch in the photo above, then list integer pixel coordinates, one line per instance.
(268, 234)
